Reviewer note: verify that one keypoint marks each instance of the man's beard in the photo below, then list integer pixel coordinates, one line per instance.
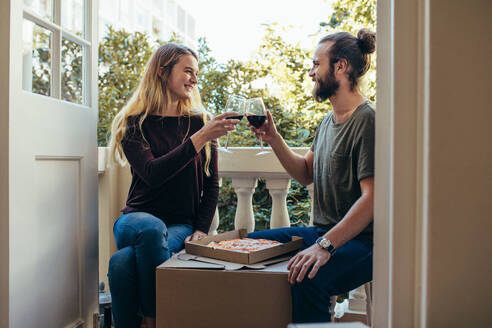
(325, 89)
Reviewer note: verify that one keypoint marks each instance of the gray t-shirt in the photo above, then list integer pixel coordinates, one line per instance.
(343, 155)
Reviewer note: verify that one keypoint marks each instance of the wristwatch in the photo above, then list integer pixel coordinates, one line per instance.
(326, 244)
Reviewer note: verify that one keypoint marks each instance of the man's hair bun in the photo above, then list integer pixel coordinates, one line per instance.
(366, 41)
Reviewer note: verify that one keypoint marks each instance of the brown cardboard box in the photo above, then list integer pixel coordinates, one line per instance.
(195, 294)
(200, 248)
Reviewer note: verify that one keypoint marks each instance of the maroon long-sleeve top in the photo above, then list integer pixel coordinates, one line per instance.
(168, 177)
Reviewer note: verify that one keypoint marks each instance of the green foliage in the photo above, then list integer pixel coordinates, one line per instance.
(351, 16)
(71, 76)
(41, 62)
(122, 59)
(278, 74)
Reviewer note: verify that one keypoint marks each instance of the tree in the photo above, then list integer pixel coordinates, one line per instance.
(122, 59)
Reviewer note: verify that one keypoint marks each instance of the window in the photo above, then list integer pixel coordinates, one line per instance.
(191, 27)
(156, 27)
(142, 19)
(126, 11)
(171, 12)
(157, 4)
(181, 19)
(56, 49)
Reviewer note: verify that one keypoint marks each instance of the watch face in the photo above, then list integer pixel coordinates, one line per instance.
(325, 243)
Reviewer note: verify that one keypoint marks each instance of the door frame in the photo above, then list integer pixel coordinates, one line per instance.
(5, 72)
(401, 182)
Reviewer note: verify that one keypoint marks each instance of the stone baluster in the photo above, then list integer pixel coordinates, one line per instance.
(310, 189)
(215, 221)
(244, 189)
(278, 189)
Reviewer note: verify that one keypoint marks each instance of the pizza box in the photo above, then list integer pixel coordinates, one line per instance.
(194, 294)
(200, 248)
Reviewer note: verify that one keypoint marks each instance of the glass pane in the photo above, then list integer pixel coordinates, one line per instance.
(73, 16)
(181, 19)
(43, 8)
(71, 79)
(157, 5)
(142, 19)
(36, 58)
(171, 11)
(191, 27)
(156, 27)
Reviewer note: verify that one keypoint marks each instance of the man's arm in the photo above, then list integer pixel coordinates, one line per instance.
(299, 167)
(357, 218)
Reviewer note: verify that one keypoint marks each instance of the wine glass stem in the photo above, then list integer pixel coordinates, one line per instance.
(261, 143)
(227, 141)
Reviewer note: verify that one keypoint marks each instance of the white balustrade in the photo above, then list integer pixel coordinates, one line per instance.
(279, 188)
(244, 164)
(244, 188)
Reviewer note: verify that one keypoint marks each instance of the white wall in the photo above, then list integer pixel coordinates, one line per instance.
(459, 276)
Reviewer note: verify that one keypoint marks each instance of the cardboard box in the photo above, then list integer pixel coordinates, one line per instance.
(200, 248)
(197, 294)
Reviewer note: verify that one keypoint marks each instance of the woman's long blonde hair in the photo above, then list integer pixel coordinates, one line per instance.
(152, 95)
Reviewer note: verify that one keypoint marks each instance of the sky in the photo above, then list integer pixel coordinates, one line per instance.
(233, 28)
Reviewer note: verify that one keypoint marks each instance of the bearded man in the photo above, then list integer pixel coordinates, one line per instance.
(337, 254)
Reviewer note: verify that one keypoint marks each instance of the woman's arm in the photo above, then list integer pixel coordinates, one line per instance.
(155, 171)
(208, 202)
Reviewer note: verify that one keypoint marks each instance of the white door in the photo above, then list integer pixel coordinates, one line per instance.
(53, 278)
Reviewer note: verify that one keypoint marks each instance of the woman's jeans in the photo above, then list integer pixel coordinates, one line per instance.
(143, 242)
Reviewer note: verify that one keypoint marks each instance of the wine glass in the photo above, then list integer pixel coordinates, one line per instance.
(256, 115)
(236, 104)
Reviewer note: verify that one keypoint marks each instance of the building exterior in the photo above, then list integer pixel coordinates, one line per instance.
(159, 18)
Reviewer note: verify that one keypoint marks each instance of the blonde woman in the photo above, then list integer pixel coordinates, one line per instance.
(169, 142)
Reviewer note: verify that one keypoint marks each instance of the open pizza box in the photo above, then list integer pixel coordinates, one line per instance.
(200, 248)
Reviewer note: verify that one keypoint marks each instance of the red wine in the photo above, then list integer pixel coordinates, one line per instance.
(256, 120)
(237, 117)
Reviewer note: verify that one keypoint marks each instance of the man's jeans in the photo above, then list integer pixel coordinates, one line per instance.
(348, 268)
(143, 242)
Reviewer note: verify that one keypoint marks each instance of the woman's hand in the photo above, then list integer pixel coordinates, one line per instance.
(196, 235)
(268, 131)
(215, 128)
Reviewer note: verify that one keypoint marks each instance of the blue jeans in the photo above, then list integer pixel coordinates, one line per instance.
(143, 242)
(348, 268)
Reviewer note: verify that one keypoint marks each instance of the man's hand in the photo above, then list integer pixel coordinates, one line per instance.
(196, 235)
(268, 131)
(313, 256)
